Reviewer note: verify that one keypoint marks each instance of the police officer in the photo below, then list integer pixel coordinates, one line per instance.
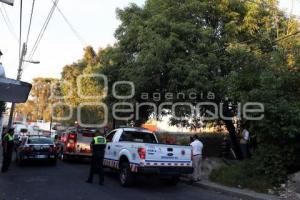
(8, 146)
(98, 145)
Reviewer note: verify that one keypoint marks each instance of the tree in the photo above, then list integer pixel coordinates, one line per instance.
(184, 46)
(241, 51)
(79, 78)
(38, 105)
(236, 49)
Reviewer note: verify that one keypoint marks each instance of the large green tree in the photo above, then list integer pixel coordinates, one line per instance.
(242, 51)
(81, 78)
(190, 45)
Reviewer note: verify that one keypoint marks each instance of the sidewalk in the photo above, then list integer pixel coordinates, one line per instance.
(244, 194)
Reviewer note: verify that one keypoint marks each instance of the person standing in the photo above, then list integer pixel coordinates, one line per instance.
(98, 145)
(8, 147)
(244, 142)
(197, 147)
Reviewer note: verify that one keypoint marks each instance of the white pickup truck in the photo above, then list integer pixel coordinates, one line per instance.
(134, 151)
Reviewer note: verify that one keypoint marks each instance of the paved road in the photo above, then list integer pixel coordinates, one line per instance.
(66, 181)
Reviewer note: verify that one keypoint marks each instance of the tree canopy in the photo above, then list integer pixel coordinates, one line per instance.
(242, 51)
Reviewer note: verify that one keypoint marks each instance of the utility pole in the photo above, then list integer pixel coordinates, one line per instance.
(20, 69)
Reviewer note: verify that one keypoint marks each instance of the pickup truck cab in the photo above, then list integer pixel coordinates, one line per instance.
(134, 151)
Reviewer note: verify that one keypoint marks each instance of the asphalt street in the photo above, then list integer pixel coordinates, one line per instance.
(66, 181)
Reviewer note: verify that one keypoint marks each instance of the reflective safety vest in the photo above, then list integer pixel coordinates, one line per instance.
(99, 140)
(8, 137)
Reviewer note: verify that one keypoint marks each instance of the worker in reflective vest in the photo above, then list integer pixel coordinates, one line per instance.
(98, 145)
(8, 146)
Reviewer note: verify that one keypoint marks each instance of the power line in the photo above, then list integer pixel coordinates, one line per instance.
(8, 19)
(246, 41)
(29, 26)
(8, 26)
(8, 22)
(20, 33)
(42, 32)
(71, 26)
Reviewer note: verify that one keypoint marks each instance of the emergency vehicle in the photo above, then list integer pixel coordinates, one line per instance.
(135, 151)
(75, 143)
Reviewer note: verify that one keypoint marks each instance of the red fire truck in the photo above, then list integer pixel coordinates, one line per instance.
(75, 143)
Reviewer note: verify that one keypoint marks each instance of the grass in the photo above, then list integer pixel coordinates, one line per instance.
(241, 176)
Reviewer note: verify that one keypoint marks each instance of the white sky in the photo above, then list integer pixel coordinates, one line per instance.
(94, 20)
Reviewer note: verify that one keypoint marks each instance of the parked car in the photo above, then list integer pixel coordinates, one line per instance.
(134, 151)
(36, 148)
(20, 130)
(75, 143)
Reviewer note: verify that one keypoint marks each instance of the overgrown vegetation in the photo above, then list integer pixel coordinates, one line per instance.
(243, 175)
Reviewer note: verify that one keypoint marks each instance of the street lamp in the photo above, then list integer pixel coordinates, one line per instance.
(9, 2)
(20, 69)
(32, 61)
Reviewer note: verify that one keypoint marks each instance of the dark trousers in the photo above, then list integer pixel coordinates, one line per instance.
(7, 156)
(245, 150)
(96, 167)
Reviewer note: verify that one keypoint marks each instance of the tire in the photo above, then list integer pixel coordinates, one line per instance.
(125, 175)
(53, 162)
(172, 181)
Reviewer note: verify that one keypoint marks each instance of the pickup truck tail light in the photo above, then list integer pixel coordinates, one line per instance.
(142, 153)
(72, 137)
(71, 146)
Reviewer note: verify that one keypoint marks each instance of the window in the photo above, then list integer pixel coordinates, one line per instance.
(110, 136)
(140, 137)
(24, 130)
(39, 140)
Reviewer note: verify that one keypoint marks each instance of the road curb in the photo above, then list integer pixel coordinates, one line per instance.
(234, 192)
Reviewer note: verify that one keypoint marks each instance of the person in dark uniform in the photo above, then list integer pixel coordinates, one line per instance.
(98, 145)
(8, 147)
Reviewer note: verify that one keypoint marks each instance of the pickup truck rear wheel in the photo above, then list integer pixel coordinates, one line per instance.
(53, 162)
(171, 181)
(126, 176)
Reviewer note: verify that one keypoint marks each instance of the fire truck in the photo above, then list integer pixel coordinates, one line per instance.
(75, 143)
